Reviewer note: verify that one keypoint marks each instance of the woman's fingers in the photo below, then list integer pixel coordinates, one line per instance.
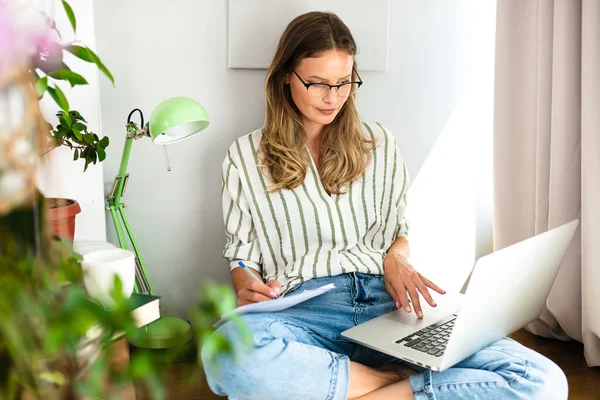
(251, 296)
(425, 293)
(414, 297)
(254, 292)
(399, 296)
(261, 288)
(275, 285)
(432, 285)
(404, 301)
(392, 292)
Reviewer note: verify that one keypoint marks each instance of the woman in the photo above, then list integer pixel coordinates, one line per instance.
(316, 197)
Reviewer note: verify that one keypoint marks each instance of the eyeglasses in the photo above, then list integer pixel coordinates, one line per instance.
(320, 90)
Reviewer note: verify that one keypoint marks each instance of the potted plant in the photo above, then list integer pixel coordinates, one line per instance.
(72, 132)
(47, 67)
(45, 313)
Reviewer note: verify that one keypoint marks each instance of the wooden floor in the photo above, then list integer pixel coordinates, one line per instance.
(186, 381)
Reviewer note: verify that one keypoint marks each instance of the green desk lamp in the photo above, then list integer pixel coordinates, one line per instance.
(174, 119)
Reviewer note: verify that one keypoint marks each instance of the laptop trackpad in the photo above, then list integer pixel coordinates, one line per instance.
(446, 305)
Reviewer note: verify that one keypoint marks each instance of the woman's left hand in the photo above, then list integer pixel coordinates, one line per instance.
(400, 277)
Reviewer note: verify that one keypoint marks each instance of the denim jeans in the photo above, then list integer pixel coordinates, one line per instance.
(299, 353)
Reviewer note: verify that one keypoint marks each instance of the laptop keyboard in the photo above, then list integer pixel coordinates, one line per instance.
(431, 339)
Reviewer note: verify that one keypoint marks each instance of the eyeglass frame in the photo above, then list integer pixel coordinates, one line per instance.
(309, 84)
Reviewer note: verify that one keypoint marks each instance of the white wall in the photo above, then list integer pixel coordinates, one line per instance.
(157, 50)
(59, 175)
(439, 103)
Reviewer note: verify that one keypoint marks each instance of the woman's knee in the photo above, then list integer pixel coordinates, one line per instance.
(539, 377)
(224, 370)
(229, 374)
(529, 374)
(252, 348)
(550, 380)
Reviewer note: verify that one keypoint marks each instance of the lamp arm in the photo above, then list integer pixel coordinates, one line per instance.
(117, 212)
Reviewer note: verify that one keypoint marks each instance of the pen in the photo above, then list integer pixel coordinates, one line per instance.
(241, 264)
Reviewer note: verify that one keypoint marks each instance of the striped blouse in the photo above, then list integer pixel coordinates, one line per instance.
(296, 235)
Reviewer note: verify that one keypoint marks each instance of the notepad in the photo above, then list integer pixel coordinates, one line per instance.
(276, 305)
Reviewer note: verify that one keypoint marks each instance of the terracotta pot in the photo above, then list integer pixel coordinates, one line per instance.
(61, 214)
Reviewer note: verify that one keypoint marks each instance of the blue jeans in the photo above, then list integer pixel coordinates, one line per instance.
(299, 354)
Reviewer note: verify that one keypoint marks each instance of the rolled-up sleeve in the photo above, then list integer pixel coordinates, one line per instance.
(242, 241)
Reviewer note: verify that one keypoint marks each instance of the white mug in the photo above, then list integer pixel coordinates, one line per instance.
(99, 269)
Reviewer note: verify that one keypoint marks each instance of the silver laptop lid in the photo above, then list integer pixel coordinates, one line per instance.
(508, 289)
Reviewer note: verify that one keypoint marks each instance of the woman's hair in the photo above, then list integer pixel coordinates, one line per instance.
(344, 150)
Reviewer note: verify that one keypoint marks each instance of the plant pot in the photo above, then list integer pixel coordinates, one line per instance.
(61, 214)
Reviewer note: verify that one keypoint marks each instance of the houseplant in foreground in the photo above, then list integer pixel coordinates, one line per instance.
(45, 313)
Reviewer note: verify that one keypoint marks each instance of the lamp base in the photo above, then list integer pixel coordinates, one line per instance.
(164, 333)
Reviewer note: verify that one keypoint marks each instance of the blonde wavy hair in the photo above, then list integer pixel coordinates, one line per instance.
(344, 150)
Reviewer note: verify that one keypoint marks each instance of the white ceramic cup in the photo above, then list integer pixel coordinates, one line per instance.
(99, 269)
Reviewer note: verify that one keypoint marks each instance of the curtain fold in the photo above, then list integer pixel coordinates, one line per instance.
(547, 150)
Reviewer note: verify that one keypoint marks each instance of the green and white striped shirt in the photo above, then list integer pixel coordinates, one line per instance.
(296, 235)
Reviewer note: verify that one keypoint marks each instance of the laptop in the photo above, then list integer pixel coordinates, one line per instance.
(508, 289)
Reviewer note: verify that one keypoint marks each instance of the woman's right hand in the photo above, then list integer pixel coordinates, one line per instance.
(254, 292)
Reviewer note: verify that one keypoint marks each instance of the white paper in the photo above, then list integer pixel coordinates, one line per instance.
(276, 304)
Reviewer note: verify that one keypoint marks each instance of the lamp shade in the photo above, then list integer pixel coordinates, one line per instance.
(176, 119)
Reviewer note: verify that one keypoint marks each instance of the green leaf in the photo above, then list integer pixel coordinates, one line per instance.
(89, 139)
(213, 345)
(76, 155)
(66, 118)
(60, 134)
(71, 15)
(77, 134)
(59, 97)
(88, 55)
(156, 386)
(104, 142)
(40, 86)
(55, 377)
(141, 365)
(81, 52)
(54, 340)
(101, 154)
(66, 75)
(79, 126)
(77, 116)
(90, 157)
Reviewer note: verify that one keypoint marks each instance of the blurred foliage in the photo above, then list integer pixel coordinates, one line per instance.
(54, 339)
(45, 315)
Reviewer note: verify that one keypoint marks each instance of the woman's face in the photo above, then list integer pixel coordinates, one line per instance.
(332, 67)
